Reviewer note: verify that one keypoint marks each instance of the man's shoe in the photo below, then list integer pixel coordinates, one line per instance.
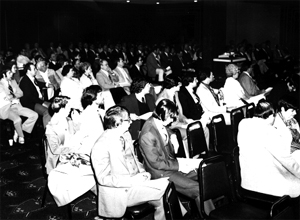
(21, 140)
(15, 137)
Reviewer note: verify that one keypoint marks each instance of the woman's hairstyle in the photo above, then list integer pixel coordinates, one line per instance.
(188, 78)
(287, 102)
(11, 64)
(57, 103)
(114, 116)
(164, 109)
(170, 81)
(83, 67)
(230, 69)
(89, 95)
(263, 109)
(66, 69)
(4, 71)
(204, 73)
(138, 84)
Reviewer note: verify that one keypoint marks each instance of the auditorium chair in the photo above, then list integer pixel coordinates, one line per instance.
(214, 184)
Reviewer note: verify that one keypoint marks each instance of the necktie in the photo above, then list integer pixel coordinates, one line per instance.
(213, 93)
(143, 100)
(11, 91)
(35, 81)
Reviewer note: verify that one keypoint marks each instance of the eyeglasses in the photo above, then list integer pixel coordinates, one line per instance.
(128, 120)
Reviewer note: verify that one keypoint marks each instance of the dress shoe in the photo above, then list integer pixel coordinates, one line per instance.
(15, 137)
(21, 140)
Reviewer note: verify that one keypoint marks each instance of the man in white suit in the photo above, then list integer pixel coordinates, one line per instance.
(267, 166)
(121, 180)
(210, 98)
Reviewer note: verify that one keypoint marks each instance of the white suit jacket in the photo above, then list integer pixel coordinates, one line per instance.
(266, 163)
(112, 175)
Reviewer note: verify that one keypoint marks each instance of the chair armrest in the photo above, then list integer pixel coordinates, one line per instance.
(280, 205)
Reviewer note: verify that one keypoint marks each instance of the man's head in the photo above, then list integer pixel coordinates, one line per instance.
(104, 65)
(190, 79)
(117, 117)
(166, 111)
(232, 70)
(287, 106)
(265, 110)
(30, 69)
(140, 85)
(42, 66)
(6, 74)
(138, 60)
(207, 75)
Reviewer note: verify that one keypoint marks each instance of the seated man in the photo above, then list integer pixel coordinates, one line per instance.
(32, 96)
(121, 180)
(123, 74)
(210, 98)
(267, 166)
(158, 150)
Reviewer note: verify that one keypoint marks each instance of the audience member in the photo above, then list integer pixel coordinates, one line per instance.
(11, 108)
(154, 69)
(158, 149)
(123, 75)
(190, 103)
(247, 82)
(71, 87)
(275, 170)
(121, 179)
(210, 98)
(32, 96)
(136, 69)
(140, 104)
(49, 77)
(87, 77)
(285, 121)
(67, 161)
(106, 78)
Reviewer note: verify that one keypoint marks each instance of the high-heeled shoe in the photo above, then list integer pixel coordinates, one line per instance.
(15, 137)
(21, 140)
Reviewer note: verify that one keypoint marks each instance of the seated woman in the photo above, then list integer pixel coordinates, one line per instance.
(86, 75)
(140, 104)
(285, 121)
(11, 108)
(267, 166)
(190, 103)
(234, 94)
(171, 86)
(71, 87)
(67, 161)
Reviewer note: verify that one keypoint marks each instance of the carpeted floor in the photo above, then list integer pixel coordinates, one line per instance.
(22, 184)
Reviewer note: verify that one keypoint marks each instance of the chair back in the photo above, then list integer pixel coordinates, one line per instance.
(171, 203)
(196, 139)
(213, 180)
(236, 115)
(250, 110)
(220, 135)
(180, 152)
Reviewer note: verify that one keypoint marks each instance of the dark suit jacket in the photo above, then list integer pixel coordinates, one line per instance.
(165, 60)
(152, 65)
(189, 107)
(249, 85)
(30, 95)
(131, 103)
(176, 66)
(134, 72)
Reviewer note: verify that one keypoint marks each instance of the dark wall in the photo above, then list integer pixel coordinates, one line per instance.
(211, 23)
(42, 22)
